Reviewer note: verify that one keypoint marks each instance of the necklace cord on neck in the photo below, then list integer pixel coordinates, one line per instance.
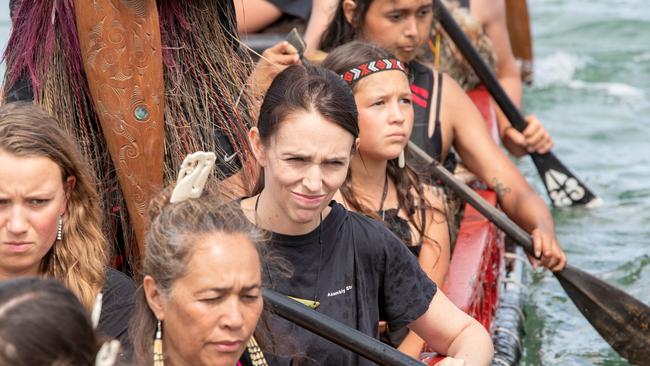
(383, 197)
(320, 254)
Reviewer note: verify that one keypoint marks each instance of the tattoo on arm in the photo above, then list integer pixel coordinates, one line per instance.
(500, 189)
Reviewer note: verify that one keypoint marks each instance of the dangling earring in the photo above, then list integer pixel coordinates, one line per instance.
(401, 161)
(158, 359)
(59, 230)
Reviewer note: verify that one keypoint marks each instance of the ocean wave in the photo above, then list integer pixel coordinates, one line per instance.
(560, 68)
(642, 57)
(557, 68)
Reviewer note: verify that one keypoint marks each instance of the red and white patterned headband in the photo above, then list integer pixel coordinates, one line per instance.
(385, 64)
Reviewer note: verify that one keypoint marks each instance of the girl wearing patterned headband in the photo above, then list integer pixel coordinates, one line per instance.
(344, 265)
(446, 117)
(380, 185)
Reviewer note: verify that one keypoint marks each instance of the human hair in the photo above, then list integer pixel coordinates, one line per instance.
(339, 31)
(79, 260)
(43, 323)
(406, 180)
(306, 88)
(174, 231)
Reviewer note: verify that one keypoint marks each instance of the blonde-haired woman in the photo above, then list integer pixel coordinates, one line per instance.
(50, 220)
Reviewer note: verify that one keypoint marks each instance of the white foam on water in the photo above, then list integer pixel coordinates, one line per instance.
(619, 90)
(557, 68)
(642, 57)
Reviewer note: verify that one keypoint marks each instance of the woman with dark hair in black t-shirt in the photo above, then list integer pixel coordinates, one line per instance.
(340, 260)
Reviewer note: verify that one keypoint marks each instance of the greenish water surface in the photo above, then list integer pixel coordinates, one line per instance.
(592, 91)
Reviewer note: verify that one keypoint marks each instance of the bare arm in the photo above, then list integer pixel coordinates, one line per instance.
(451, 332)
(435, 253)
(273, 61)
(434, 260)
(484, 158)
(492, 14)
(254, 15)
(322, 12)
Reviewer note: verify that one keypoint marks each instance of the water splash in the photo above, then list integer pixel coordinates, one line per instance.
(558, 68)
(619, 90)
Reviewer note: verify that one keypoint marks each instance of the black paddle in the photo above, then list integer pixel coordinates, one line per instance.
(339, 333)
(622, 320)
(562, 186)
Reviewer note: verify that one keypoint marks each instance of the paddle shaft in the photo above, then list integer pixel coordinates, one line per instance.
(481, 69)
(562, 186)
(334, 331)
(499, 218)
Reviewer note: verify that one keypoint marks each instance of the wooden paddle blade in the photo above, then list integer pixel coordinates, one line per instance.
(521, 41)
(562, 186)
(622, 320)
(122, 54)
(296, 41)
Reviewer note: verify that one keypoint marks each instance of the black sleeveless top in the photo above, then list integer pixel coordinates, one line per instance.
(422, 93)
(402, 229)
(422, 89)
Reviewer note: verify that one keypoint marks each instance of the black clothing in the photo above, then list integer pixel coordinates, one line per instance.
(422, 88)
(358, 271)
(402, 229)
(117, 308)
(297, 8)
(464, 4)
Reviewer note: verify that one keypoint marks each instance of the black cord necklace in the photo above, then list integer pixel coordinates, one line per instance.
(314, 304)
(383, 198)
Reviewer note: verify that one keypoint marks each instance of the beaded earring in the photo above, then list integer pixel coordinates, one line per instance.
(59, 229)
(158, 359)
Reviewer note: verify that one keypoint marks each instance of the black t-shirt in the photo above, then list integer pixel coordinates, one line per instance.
(117, 308)
(366, 274)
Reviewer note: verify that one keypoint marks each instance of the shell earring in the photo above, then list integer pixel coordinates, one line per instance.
(401, 161)
(59, 229)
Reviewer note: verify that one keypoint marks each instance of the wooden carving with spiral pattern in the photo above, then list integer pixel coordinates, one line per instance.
(122, 56)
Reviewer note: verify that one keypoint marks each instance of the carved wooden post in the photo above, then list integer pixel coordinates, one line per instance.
(122, 54)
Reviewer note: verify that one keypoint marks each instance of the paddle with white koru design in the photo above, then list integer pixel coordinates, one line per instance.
(562, 186)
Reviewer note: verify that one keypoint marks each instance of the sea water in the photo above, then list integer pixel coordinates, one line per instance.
(592, 92)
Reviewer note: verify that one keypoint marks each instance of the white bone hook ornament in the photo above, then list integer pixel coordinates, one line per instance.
(192, 176)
